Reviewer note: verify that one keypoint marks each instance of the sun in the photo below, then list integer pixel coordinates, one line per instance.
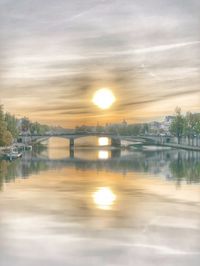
(103, 98)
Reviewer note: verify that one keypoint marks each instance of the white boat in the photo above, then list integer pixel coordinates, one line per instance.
(13, 154)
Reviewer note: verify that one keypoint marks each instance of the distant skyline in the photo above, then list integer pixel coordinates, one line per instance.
(55, 54)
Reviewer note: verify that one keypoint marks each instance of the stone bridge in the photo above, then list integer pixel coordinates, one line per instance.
(115, 139)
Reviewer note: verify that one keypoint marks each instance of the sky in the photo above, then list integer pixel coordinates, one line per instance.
(55, 54)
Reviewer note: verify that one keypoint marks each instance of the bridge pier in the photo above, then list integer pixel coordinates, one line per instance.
(115, 153)
(115, 142)
(71, 144)
(71, 153)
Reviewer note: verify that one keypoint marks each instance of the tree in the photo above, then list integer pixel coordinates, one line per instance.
(25, 124)
(178, 124)
(7, 138)
(191, 126)
(197, 126)
(99, 128)
(37, 128)
(11, 123)
(5, 135)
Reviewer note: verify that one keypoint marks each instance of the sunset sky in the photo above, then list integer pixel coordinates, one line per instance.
(54, 55)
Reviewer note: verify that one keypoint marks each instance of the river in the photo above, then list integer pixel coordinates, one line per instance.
(100, 207)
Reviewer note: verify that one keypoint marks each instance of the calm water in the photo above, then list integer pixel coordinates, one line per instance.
(100, 207)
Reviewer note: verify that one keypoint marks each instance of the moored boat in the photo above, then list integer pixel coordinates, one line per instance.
(13, 154)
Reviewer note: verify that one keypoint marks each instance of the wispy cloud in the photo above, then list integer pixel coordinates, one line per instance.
(166, 47)
(54, 55)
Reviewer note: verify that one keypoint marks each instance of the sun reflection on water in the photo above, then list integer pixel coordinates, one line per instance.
(104, 198)
(103, 155)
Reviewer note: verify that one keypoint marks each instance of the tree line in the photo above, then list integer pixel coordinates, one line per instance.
(118, 129)
(11, 127)
(5, 134)
(187, 125)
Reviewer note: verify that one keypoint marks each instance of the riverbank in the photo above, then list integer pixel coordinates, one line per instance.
(181, 146)
(19, 146)
(163, 146)
(4, 149)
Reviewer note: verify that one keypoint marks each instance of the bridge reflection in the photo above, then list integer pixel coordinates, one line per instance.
(173, 165)
(101, 154)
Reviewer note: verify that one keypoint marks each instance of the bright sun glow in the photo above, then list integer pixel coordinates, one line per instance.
(103, 155)
(103, 98)
(103, 141)
(104, 198)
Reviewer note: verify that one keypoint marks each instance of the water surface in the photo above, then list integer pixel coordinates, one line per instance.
(100, 207)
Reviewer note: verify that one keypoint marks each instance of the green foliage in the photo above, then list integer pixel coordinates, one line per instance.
(37, 128)
(33, 127)
(10, 127)
(99, 128)
(25, 124)
(122, 129)
(190, 123)
(187, 126)
(5, 135)
(11, 123)
(197, 126)
(178, 124)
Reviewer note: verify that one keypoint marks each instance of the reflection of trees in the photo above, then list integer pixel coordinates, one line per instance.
(186, 167)
(149, 162)
(9, 171)
(3, 171)
(173, 164)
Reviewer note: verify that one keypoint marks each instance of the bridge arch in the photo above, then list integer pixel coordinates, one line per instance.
(101, 140)
(113, 139)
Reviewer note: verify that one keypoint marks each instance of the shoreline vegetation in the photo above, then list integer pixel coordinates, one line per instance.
(11, 128)
(185, 128)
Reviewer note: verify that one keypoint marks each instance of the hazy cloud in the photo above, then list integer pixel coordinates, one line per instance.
(55, 54)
